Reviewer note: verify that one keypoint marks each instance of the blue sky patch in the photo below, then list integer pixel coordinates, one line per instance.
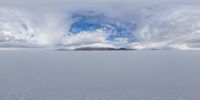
(92, 21)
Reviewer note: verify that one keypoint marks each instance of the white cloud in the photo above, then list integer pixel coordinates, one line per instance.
(169, 27)
(121, 41)
(84, 38)
(158, 27)
(16, 27)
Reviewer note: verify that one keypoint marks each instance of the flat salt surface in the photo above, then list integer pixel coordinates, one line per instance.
(99, 75)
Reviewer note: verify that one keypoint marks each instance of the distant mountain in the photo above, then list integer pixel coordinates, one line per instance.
(99, 49)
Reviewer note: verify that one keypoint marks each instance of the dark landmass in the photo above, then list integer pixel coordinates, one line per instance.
(99, 49)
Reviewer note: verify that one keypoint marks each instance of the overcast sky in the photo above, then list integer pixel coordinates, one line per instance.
(77, 3)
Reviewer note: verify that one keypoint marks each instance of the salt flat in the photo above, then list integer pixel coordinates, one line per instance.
(99, 75)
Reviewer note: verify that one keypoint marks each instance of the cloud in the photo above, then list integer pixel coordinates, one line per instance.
(169, 27)
(97, 37)
(151, 27)
(16, 27)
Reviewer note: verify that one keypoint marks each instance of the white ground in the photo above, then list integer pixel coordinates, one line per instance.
(106, 75)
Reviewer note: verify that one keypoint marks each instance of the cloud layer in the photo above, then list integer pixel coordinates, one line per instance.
(151, 27)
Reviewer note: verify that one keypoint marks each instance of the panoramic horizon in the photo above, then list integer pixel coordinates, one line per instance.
(99, 49)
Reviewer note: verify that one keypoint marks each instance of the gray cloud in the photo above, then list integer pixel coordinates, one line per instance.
(87, 3)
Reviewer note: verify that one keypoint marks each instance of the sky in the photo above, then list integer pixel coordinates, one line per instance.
(77, 3)
(134, 24)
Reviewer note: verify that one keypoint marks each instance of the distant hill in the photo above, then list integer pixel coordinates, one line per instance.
(99, 49)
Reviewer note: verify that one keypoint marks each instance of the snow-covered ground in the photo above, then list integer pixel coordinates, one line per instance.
(101, 75)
